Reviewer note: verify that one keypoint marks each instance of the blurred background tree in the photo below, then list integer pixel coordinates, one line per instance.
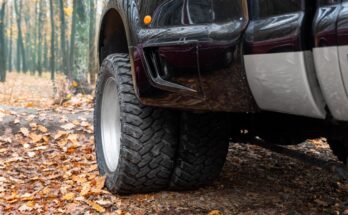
(2, 42)
(56, 36)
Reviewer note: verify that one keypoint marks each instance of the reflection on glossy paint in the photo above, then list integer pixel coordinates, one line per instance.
(274, 34)
(325, 24)
(169, 13)
(191, 55)
(195, 12)
(260, 9)
(279, 26)
(342, 25)
(193, 47)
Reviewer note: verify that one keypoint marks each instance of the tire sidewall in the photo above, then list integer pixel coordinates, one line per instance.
(107, 71)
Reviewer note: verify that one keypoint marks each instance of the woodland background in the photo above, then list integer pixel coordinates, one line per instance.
(48, 67)
(55, 36)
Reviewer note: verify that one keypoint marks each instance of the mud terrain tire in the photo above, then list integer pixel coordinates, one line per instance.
(147, 136)
(202, 151)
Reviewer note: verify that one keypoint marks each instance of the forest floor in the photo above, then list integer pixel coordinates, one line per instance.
(47, 165)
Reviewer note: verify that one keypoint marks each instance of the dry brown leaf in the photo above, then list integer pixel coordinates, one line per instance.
(46, 139)
(62, 143)
(68, 126)
(5, 139)
(121, 212)
(99, 182)
(17, 121)
(79, 179)
(15, 159)
(31, 204)
(26, 197)
(60, 134)
(12, 196)
(24, 131)
(85, 189)
(31, 154)
(71, 208)
(73, 138)
(24, 208)
(69, 196)
(70, 150)
(35, 137)
(30, 117)
(76, 122)
(2, 179)
(104, 203)
(46, 191)
(95, 206)
(29, 105)
(40, 148)
(42, 128)
(214, 212)
(85, 124)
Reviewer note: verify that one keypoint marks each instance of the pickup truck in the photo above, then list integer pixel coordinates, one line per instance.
(180, 78)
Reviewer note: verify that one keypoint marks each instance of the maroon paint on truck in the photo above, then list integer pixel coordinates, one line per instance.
(201, 44)
(285, 44)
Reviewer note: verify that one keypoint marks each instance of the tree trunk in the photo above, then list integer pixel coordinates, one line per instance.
(28, 39)
(36, 37)
(72, 39)
(63, 40)
(52, 59)
(10, 41)
(20, 43)
(92, 66)
(45, 59)
(18, 56)
(2, 43)
(39, 48)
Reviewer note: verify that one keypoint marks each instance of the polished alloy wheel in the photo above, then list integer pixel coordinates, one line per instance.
(111, 124)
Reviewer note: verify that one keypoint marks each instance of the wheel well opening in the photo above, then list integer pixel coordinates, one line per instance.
(113, 38)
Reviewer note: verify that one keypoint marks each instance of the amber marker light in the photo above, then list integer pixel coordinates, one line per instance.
(147, 20)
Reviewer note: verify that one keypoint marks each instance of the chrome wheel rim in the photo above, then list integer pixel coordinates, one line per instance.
(111, 124)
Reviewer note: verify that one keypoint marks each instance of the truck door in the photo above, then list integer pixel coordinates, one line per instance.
(278, 57)
(331, 54)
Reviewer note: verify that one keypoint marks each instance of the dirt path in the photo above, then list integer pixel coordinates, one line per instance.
(23, 90)
(47, 164)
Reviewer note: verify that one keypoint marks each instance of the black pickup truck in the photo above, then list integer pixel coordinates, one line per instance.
(179, 78)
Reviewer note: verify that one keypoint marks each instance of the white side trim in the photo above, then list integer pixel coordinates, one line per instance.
(285, 83)
(329, 73)
(343, 58)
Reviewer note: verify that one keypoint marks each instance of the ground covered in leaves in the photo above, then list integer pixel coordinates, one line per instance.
(26, 91)
(47, 165)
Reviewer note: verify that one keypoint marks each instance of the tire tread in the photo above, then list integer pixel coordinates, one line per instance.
(202, 150)
(148, 136)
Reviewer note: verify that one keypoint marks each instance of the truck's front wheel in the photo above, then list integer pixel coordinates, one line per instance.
(135, 144)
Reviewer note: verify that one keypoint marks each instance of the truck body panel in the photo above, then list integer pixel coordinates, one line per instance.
(278, 60)
(330, 55)
(285, 83)
(239, 56)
